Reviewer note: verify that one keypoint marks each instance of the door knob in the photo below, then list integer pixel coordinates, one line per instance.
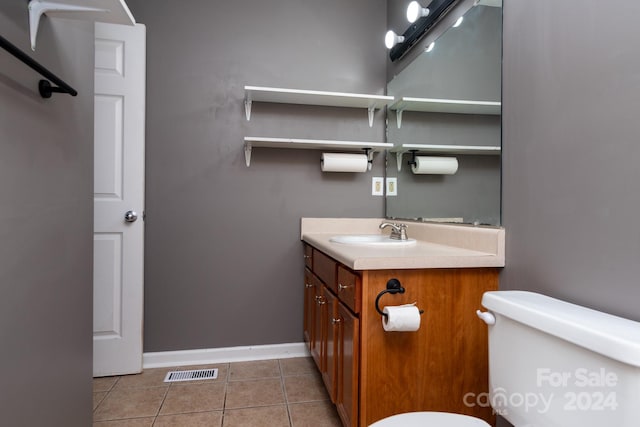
(130, 216)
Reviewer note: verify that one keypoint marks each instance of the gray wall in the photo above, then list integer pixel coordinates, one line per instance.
(223, 260)
(46, 216)
(571, 151)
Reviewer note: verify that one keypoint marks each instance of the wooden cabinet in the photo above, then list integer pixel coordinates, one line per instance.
(347, 366)
(330, 325)
(318, 345)
(310, 284)
(371, 374)
(332, 330)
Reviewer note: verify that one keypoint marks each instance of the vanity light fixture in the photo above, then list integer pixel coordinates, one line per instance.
(424, 21)
(458, 22)
(430, 47)
(391, 39)
(415, 11)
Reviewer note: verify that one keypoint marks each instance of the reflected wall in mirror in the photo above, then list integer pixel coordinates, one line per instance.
(450, 96)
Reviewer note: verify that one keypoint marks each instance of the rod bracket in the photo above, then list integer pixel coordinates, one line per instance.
(46, 89)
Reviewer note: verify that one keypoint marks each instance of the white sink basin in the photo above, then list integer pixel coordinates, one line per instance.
(370, 240)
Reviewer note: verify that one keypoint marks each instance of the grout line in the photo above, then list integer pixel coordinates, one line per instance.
(284, 392)
(163, 400)
(227, 377)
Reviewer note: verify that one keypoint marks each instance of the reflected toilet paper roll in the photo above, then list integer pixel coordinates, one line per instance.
(344, 162)
(401, 318)
(435, 165)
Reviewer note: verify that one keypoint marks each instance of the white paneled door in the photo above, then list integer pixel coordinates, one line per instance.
(118, 199)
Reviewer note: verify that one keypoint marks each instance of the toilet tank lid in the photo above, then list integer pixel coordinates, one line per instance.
(611, 336)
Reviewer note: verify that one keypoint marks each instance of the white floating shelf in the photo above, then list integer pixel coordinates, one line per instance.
(436, 105)
(444, 149)
(314, 97)
(315, 144)
(109, 11)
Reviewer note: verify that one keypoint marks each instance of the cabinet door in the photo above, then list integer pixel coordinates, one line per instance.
(331, 325)
(309, 307)
(348, 366)
(318, 345)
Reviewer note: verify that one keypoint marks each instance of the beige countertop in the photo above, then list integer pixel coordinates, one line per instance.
(437, 245)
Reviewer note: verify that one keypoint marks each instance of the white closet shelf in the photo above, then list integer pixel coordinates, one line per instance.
(314, 144)
(437, 105)
(444, 149)
(109, 11)
(314, 97)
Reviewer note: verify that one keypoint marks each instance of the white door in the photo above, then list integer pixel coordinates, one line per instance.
(118, 199)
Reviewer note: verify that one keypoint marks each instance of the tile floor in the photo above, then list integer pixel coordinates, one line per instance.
(270, 393)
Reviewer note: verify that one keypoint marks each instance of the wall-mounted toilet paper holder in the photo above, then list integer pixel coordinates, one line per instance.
(393, 287)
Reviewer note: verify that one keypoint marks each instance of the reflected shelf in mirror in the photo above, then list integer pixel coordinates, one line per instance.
(443, 149)
(436, 105)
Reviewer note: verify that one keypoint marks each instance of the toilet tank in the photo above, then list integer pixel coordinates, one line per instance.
(556, 364)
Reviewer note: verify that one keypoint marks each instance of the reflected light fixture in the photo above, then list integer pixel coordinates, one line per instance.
(430, 47)
(391, 39)
(415, 11)
(458, 22)
(423, 20)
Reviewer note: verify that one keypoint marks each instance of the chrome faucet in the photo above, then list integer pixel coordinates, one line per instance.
(398, 231)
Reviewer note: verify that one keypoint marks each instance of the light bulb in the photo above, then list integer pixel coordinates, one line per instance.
(391, 39)
(430, 47)
(458, 22)
(415, 11)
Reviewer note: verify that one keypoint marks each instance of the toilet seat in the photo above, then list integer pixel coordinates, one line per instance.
(430, 419)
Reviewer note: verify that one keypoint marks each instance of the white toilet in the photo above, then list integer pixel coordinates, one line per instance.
(551, 364)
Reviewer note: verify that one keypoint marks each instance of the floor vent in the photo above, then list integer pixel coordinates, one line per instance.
(198, 374)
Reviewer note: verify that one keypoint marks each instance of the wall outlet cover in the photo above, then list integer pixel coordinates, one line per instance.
(377, 186)
(392, 186)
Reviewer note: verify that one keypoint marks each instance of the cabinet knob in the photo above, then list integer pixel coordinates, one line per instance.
(308, 285)
(320, 300)
(306, 256)
(342, 287)
(336, 321)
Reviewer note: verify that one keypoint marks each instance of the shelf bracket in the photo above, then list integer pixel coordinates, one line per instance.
(399, 160)
(247, 153)
(399, 119)
(247, 108)
(371, 110)
(39, 7)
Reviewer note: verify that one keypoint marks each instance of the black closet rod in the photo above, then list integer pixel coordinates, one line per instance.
(44, 86)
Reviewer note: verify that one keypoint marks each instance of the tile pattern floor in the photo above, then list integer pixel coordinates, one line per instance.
(270, 393)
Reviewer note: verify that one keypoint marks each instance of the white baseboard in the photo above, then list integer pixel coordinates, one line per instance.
(208, 356)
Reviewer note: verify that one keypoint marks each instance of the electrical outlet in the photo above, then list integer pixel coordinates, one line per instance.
(377, 186)
(392, 186)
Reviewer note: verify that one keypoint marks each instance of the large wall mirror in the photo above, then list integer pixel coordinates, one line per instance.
(448, 104)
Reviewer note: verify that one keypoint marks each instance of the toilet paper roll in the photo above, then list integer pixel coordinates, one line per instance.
(401, 318)
(344, 162)
(435, 165)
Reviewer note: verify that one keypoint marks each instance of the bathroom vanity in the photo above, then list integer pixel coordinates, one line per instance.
(371, 373)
